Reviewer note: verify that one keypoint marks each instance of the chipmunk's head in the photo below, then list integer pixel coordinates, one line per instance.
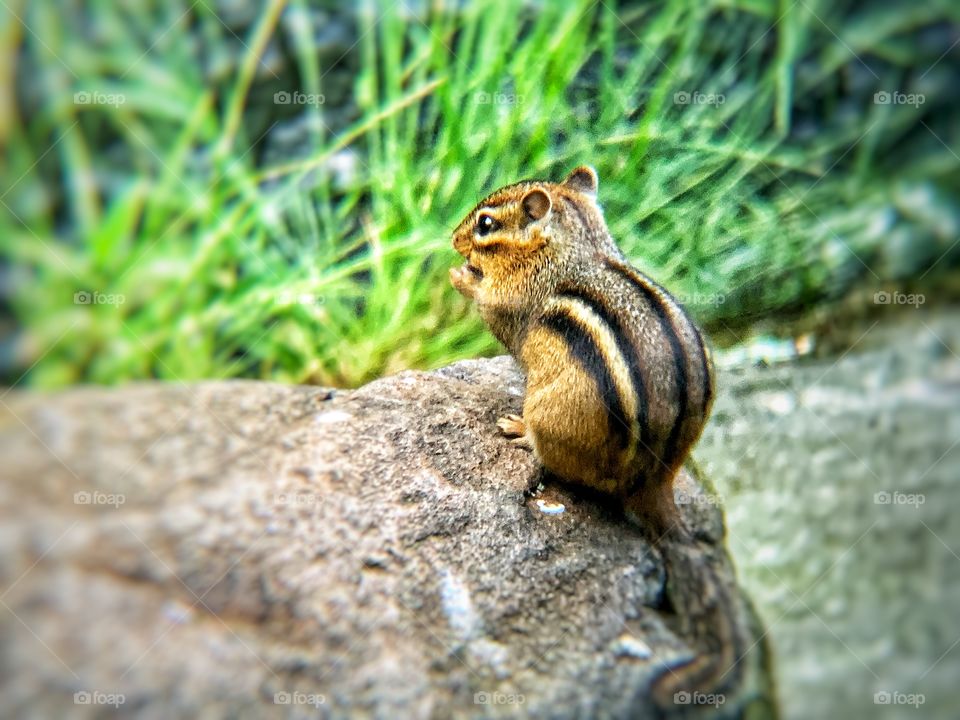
(524, 239)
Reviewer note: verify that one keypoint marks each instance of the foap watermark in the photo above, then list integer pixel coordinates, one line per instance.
(697, 298)
(282, 97)
(498, 98)
(882, 297)
(85, 297)
(698, 698)
(299, 698)
(296, 499)
(85, 97)
(698, 499)
(84, 497)
(684, 97)
(498, 698)
(899, 498)
(86, 697)
(896, 97)
(886, 697)
(299, 298)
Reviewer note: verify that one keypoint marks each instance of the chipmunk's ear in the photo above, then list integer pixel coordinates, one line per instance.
(583, 179)
(536, 204)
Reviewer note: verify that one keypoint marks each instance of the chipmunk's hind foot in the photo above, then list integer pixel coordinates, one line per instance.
(513, 426)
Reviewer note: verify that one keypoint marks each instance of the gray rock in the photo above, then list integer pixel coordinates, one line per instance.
(840, 484)
(246, 549)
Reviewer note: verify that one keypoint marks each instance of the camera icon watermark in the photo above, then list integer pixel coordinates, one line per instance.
(85, 97)
(882, 297)
(899, 498)
(498, 98)
(697, 298)
(896, 97)
(296, 499)
(886, 697)
(705, 499)
(95, 697)
(498, 698)
(282, 97)
(84, 497)
(685, 97)
(85, 297)
(698, 698)
(299, 698)
(299, 298)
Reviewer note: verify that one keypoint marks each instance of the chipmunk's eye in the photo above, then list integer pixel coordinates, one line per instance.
(486, 224)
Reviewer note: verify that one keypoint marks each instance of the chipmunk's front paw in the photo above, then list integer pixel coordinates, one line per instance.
(514, 427)
(464, 280)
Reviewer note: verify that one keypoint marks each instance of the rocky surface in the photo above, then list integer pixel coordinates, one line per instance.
(839, 478)
(253, 550)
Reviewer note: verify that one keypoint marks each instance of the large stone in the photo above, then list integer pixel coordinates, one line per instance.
(247, 549)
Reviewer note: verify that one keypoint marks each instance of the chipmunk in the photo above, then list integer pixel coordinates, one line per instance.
(619, 380)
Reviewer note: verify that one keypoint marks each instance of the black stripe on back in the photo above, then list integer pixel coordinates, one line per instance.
(679, 358)
(586, 353)
(704, 363)
(707, 383)
(627, 349)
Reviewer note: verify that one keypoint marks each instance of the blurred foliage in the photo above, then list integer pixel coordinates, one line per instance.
(745, 162)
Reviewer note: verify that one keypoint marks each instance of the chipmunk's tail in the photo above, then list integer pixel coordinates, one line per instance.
(708, 618)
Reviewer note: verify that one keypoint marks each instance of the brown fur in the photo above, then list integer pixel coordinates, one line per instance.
(529, 267)
(619, 381)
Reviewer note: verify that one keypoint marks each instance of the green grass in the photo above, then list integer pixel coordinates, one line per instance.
(795, 189)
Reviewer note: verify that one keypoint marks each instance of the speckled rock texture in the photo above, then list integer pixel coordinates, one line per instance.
(245, 549)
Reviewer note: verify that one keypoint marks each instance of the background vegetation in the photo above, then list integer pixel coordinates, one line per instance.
(215, 228)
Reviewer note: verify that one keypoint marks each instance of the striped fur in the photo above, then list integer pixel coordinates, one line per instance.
(660, 303)
(688, 357)
(619, 380)
(522, 271)
(587, 352)
(629, 353)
